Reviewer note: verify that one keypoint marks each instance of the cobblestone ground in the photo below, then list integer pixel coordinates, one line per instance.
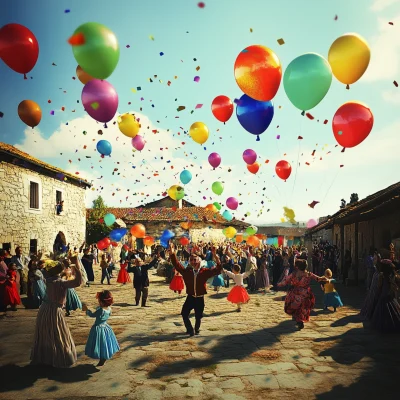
(256, 354)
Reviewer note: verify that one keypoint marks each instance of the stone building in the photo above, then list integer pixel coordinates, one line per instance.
(283, 235)
(29, 192)
(157, 216)
(370, 222)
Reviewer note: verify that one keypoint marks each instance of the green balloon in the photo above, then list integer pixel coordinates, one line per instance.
(99, 55)
(251, 230)
(307, 80)
(217, 188)
(217, 205)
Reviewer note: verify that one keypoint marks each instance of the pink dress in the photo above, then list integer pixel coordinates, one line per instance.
(300, 299)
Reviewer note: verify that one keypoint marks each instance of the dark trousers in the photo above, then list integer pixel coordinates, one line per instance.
(251, 282)
(105, 275)
(141, 292)
(196, 304)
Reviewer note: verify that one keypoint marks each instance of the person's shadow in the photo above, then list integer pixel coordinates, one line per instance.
(14, 377)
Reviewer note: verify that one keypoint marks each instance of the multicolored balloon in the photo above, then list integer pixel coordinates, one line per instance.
(222, 108)
(138, 142)
(176, 192)
(100, 100)
(349, 58)
(283, 169)
(30, 113)
(95, 49)
(214, 159)
(352, 123)
(258, 72)
(255, 116)
(249, 156)
(19, 48)
(307, 80)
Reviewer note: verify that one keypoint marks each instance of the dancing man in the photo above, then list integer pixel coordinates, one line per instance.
(195, 280)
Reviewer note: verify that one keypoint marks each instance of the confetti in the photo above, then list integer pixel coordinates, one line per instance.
(1, 114)
(196, 79)
(251, 30)
(309, 116)
(395, 84)
(67, 11)
(51, 112)
(151, 37)
(278, 136)
(161, 53)
(201, 4)
(299, 137)
(342, 165)
(391, 23)
(77, 40)
(336, 18)
(199, 106)
(313, 204)
(128, 46)
(281, 42)
(180, 108)
(325, 122)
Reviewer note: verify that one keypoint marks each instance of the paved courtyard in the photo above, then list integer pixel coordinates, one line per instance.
(257, 354)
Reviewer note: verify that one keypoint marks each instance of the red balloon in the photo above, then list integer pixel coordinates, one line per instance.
(125, 247)
(114, 244)
(101, 245)
(253, 168)
(222, 108)
(283, 169)
(184, 241)
(352, 123)
(19, 48)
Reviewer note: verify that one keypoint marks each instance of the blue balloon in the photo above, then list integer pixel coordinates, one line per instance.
(227, 215)
(255, 116)
(117, 234)
(164, 244)
(185, 176)
(167, 235)
(104, 147)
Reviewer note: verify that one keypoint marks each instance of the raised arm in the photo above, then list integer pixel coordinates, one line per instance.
(229, 273)
(174, 260)
(214, 270)
(77, 281)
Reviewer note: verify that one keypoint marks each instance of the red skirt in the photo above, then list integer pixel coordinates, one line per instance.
(11, 295)
(177, 284)
(123, 276)
(237, 295)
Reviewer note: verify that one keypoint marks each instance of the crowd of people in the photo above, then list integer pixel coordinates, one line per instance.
(50, 286)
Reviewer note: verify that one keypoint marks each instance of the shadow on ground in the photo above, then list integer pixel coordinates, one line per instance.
(14, 377)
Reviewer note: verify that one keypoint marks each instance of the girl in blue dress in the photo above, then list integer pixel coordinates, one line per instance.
(331, 297)
(72, 300)
(102, 343)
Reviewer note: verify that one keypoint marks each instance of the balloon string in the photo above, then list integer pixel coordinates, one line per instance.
(333, 181)
(258, 138)
(297, 162)
(25, 77)
(347, 87)
(105, 125)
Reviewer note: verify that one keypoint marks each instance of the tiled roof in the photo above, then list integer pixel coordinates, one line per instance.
(11, 150)
(189, 214)
(361, 208)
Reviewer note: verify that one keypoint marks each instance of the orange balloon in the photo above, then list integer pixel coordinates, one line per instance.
(186, 225)
(258, 72)
(184, 241)
(139, 231)
(211, 207)
(148, 240)
(239, 238)
(253, 168)
(30, 113)
(253, 241)
(83, 76)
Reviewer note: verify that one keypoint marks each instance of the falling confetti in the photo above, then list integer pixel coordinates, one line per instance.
(251, 30)
(391, 23)
(67, 11)
(313, 204)
(336, 18)
(309, 116)
(180, 108)
(196, 79)
(161, 53)
(395, 84)
(1, 114)
(281, 42)
(201, 4)
(199, 106)
(151, 37)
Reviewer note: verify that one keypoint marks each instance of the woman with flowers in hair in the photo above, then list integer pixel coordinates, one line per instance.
(102, 343)
(53, 344)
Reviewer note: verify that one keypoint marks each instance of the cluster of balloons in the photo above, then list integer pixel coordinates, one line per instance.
(176, 192)
(96, 49)
(19, 48)
(222, 108)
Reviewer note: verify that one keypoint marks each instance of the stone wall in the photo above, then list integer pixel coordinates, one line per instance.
(19, 224)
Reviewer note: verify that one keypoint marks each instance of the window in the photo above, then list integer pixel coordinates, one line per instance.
(33, 246)
(58, 196)
(34, 195)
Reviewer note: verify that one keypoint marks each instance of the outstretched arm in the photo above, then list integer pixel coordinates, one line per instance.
(174, 260)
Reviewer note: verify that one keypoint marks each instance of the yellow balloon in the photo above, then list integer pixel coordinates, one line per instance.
(230, 232)
(128, 125)
(176, 192)
(349, 57)
(199, 132)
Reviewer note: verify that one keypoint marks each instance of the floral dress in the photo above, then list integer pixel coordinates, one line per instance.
(300, 300)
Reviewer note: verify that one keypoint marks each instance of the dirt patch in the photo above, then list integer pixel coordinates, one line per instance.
(267, 354)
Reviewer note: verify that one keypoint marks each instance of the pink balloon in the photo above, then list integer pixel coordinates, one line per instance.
(311, 223)
(232, 203)
(249, 156)
(214, 159)
(138, 142)
(100, 100)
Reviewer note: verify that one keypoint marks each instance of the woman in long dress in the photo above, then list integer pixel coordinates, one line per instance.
(262, 275)
(53, 344)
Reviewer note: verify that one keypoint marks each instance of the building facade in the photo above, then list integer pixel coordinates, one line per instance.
(29, 192)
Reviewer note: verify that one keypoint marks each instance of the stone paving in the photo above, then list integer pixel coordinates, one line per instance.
(255, 354)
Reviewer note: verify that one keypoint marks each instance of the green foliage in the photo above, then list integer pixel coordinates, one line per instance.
(95, 230)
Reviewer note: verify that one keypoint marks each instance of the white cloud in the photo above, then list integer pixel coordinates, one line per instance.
(391, 96)
(380, 5)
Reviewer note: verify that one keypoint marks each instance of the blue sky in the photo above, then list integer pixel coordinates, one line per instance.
(213, 36)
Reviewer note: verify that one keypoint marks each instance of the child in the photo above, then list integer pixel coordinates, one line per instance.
(123, 275)
(72, 301)
(331, 297)
(102, 343)
(218, 282)
(104, 269)
(238, 295)
(177, 284)
(38, 284)
(11, 295)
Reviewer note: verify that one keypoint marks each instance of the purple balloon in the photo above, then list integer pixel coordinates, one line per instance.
(232, 203)
(249, 156)
(311, 223)
(100, 100)
(214, 159)
(138, 142)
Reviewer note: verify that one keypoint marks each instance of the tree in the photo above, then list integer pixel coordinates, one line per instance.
(96, 230)
(353, 198)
